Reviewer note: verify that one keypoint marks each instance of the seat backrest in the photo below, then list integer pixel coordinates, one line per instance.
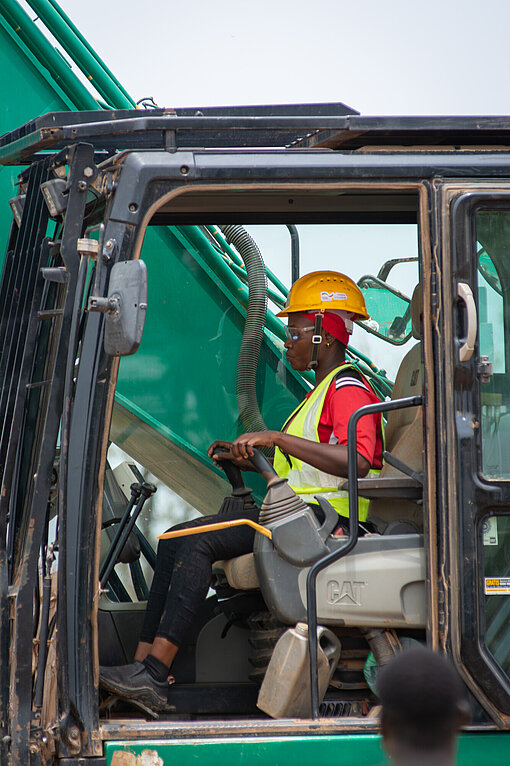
(404, 429)
(403, 433)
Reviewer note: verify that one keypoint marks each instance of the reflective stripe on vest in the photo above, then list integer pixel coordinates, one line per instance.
(305, 480)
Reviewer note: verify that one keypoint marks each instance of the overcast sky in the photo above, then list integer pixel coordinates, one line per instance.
(393, 57)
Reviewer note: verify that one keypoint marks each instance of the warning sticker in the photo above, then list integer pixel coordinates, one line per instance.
(497, 586)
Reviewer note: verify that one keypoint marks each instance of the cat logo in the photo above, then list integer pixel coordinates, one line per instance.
(349, 593)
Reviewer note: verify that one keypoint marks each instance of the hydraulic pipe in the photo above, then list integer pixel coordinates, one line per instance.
(237, 260)
(241, 273)
(226, 276)
(294, 252)
(91, 50)
(47, 56)
(95, 72)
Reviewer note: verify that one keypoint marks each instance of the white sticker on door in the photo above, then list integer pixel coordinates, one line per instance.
(490, 531)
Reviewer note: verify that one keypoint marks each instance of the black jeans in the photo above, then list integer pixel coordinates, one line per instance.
(183, 574)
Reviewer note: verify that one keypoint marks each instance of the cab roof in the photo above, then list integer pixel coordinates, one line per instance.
(305, 126)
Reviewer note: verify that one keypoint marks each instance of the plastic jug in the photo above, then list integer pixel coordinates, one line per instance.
(285, 691)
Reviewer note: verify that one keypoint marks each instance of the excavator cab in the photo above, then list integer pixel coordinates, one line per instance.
(188, 194)
(379, 585)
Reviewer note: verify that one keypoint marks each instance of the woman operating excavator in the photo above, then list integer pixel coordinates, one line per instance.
(310, 451)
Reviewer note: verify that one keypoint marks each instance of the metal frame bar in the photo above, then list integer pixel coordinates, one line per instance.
(352, 538)
(18, 334)
(42, 450)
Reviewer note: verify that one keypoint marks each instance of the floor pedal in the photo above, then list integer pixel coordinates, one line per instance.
(108, 705)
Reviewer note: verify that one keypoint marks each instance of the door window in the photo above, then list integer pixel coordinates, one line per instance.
(493, 256)
(496, 550)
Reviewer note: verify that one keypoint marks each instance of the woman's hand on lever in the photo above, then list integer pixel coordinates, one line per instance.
(242, 447)
(331, 458)
(225, 453)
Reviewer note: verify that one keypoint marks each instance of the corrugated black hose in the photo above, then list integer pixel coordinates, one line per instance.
(246, 383)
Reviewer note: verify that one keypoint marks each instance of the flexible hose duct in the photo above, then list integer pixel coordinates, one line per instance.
(246, 383)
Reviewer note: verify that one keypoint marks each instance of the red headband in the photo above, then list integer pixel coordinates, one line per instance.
(333, 324)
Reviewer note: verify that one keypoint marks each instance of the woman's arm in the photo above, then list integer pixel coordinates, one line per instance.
(330, 458)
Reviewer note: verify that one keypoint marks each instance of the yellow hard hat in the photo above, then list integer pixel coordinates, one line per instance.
(323, 290)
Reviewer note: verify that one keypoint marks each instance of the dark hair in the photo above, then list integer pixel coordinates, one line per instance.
(422, 698)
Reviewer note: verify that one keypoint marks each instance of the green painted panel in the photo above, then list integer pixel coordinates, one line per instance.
(475, 749)
(354, 750)
(26, 93)
(182, 380)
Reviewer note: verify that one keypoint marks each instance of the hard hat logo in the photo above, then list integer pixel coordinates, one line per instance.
(326, 291)
(333, 296)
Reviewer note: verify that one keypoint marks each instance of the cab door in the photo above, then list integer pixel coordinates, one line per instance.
(472, 343)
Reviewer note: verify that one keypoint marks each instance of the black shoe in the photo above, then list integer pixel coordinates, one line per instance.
(135, 682)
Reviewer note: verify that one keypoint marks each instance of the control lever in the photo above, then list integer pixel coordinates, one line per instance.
(139, 494)
(259, 463)
(233, 474)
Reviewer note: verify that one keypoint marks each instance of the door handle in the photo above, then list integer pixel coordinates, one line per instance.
(466, 296)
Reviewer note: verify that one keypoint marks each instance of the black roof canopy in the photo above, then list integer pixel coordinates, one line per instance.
(305, 126)
(359, 132)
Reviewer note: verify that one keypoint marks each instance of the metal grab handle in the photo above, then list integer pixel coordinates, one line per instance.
(215, 527)
(465, 294)
(352, 537)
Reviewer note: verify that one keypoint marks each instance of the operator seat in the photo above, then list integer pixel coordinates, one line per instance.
(404, 433)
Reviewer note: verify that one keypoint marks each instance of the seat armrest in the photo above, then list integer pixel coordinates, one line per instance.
(404, 488)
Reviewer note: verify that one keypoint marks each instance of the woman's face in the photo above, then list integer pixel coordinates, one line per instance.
(299, 346)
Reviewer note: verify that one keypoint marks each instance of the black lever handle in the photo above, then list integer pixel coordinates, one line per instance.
(260, 464)
(232, 472)
(139, 494)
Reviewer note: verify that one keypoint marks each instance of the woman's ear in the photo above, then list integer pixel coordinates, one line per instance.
(328, 338)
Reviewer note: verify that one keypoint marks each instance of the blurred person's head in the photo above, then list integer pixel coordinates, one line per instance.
(422, 709)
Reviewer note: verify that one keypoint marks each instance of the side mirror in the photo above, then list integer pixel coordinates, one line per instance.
(125, 308)
(128, 292)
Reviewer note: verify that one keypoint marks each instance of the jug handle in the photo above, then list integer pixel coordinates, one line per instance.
(332, 649)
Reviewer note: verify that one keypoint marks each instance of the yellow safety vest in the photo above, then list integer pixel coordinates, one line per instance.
(305, 480)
